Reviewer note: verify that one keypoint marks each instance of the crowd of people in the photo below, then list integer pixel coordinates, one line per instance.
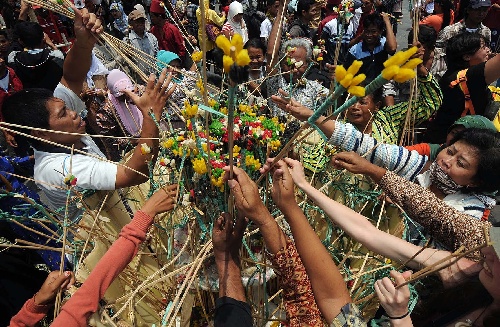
(58, 86)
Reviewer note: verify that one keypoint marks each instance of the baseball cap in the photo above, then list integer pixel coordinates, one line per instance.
(474, 121)
(474, 4)
(136, 14)
(156, 7)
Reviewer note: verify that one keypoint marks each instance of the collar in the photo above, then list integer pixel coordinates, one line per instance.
(365, 48)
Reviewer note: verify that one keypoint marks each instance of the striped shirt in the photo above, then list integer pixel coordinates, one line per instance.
(405, 163)
(388, 122)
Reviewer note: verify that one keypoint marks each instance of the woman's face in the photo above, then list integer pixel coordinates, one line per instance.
(480, 55)
(237, 18)
(361, 113)
(256, 58)
(299, 55)
(460, 162)
(174, 66)
(490, 275)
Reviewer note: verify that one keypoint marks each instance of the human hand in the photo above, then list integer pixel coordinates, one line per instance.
(386, 17)
(10, 139)
(394, 301)
(246, 195)
(351, 161)
(226, 237)
(155, 95)
(54, 282)
(331, 70)
(282, 190)
(162, 200)
(85, 26)
(291, 106)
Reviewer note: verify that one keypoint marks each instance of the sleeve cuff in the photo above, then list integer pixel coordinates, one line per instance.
(141, 221)
(31, 306)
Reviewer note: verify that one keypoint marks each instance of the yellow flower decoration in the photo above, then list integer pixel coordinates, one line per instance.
(199, 84)
(219, 182)
(145, 149)
(223, 110)
(211, 102)
(189, 110)
(236, 150)
(199, 166)
(197, 56)
(233, 51)
(168, 143)
(252, 163)
(274, 144)
(349, 80)
(399, 67)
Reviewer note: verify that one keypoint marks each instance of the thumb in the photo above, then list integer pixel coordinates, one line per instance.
(400, 278)
(235, 187)
(131, 95)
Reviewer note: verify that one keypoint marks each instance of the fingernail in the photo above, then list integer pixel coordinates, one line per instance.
(67, 273)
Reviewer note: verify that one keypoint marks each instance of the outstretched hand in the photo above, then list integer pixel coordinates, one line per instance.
(246, 195)
(394, 301)
(54, 282)
(291, 106)
(351, 161)
(226, 237)
(282, 190)
(155, 96)
(162, 200)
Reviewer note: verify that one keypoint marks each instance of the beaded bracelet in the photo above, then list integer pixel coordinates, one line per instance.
(400, 317)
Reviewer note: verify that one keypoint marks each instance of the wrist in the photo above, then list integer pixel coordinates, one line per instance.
(405, 321)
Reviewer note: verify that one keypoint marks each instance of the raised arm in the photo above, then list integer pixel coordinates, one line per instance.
(327, 283)
(86, 300)
(151, 101)
(77, 62)
(391, 44)
(446, 224)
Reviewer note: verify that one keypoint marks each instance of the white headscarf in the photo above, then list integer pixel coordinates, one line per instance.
(236, 8)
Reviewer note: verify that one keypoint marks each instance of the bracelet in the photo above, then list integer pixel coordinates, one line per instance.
(400, 317)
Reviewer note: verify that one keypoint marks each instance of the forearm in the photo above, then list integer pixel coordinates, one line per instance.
(230, 284)
(445, 223)
(29, 315)
(327, 283)
(139, 161)
(76, 66)
(391, 44)
(274, 237)
(395, 158)
(86, 300)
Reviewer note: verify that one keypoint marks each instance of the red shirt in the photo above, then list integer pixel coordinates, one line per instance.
(170, 39)
(15, 85)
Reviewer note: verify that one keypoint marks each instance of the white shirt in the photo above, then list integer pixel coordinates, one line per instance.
(265, 28)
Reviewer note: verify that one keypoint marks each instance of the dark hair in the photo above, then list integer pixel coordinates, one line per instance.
(304, 5)
(447, 6)
(374, 19)
(28, 107)
(377, 95)
(30, 34)
(460, 45)
(4, 33)
(427, 36)
(256, 43)
(269, 3)
(487, 145)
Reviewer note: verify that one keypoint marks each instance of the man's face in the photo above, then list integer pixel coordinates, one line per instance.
(63, 119)
(155, 18)
(366, 6)
(476, 16)
(4, 43)
(371, 34)
(299, 55)
(273, 10)
(311, 13)
(138, 25)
